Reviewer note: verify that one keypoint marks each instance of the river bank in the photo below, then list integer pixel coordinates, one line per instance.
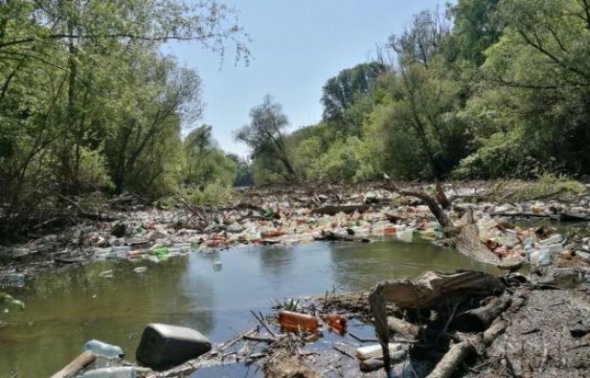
(131, 230)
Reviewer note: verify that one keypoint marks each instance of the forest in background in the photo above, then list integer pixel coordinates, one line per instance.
(481, 89)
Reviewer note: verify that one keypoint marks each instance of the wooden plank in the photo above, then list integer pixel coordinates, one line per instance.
(77, 364)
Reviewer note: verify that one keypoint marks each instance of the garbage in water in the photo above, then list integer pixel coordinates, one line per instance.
(217, 266)
(12, 280)
(140, 269)
(165, 346)
(103, 349)
(296, 322)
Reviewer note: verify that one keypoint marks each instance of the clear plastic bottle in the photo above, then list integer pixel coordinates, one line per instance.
(12, 280)
(111, 372)
(102, 349)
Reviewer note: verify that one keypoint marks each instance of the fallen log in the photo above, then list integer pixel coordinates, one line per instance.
(468, 243)
(452, 359)
(332, 236)
(496, 329)
(73, 368)
(335, 209)
(402, 327)
(479, 319)
(435, 289)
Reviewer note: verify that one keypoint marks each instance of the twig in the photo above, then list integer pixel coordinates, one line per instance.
(340, 350)
(263, 323)
(361, 340)
(268, 340)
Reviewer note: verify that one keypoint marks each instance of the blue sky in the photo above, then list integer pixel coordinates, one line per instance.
(297, 45)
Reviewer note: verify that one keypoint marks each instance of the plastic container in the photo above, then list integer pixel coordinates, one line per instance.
(336, 322)
(102, 349)
(553, 239)
(120, 252)
(183, 247)
(406, 235)
(541, 257)
(111, 372)
(12, 280)
(164, 345)
(375, 351)
(294, 321)
(160, 253)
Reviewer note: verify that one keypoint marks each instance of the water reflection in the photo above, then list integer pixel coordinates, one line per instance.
(358, 267)
(276, 261)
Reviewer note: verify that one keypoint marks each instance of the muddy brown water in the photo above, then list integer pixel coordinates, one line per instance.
(65, 309)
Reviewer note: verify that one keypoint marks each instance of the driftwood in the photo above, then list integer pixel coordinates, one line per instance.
(433, 204)
(335, 209)
(434, 289)
(402, 327)
(468, 243)
(452, 359)
(284, 366)
(333, 236)
(479, 319)
(77, 364)
(431, 290)
(496, 329)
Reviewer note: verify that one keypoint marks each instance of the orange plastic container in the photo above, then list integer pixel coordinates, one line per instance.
(389, 230)
(336, 322)
(294, 321)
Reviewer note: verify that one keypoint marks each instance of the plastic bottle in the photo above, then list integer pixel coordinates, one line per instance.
(111, 372)
(336, 322)
(120, 252)
(406, 235)
(12, 280)
(528, 248)
(102, 349)
(294, 321)
(555, 238)
(541, 257)
(160, 253)
(375, 351)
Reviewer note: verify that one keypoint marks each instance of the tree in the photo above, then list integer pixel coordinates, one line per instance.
(340, 93)
(264, 136)
(205, 161)
(477, 26)
(532, 111)
(88, 101)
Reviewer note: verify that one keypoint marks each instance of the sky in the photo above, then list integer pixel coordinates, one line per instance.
(296, 46)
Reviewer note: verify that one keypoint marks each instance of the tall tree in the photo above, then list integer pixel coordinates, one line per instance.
(265, 135)
(340, 93)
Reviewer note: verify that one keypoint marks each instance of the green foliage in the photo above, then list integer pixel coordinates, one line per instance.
(544, 184)
(348, 160)
(213, 193)
(265, 137)
(88, 101)
(9, 303)
(348, 90)
(205, 162)
(503, 92)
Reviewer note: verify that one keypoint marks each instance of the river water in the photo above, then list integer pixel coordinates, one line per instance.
(67, 308)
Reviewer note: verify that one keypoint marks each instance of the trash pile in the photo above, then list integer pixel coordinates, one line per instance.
(154, 235)
(537, 246)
